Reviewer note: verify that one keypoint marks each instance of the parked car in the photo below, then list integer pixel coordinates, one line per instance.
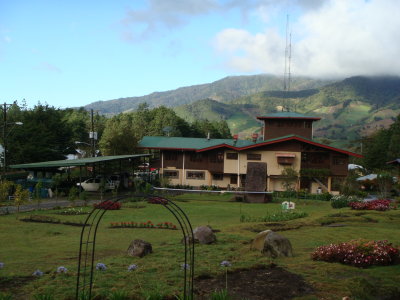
(93, 184)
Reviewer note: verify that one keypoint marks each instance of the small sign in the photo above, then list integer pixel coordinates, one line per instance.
(288, 205)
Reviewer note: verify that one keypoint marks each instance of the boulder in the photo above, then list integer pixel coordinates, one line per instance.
(204, 235)
(259, 240)
(276, 245)
(139, 248)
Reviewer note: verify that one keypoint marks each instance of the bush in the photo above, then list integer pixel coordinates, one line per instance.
(380, 204)
(359, 253)
(341, 201)
(275, 217)
(108, 205)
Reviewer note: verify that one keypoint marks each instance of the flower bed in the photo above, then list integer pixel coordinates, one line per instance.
(380, 204)
(359, 253)
(157, 200)
(108, 205)
(73, 212)
(148, 224)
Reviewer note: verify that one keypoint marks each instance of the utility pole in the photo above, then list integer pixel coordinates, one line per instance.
(92, 135)
(5, 139)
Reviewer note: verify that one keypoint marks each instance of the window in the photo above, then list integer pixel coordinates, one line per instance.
(218, 176)
(234, 178)
(196, 157)
(216, 157)
(231, 155)
(253, 156)
(171, 156)
(171, 174)
(199, 175)
(337, 160)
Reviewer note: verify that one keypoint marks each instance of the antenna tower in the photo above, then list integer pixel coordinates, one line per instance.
(288, 58)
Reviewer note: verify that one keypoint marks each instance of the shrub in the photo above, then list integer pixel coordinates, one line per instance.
(359, 253)
(340, 201)
(108, 205)
(274, 217)
(380, 204)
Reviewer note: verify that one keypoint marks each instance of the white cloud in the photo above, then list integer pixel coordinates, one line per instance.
(339, 38)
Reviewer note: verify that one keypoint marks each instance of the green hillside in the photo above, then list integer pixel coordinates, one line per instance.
(349, 109)
(223, 90)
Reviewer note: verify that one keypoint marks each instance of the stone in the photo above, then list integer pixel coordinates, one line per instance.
(139, 248)
(256, 181)
(204, 235)
(259, 240)
(276, 245)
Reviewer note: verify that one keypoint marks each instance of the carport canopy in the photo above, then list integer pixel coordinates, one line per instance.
(55, 164)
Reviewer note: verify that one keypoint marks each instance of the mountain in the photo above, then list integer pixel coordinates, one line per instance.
(349, 109)
(223, 90)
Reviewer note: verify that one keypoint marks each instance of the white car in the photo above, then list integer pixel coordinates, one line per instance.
(93, 184)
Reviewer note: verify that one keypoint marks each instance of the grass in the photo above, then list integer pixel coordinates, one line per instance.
(26, 247)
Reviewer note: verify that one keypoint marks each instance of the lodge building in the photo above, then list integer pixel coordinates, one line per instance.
(287, 141)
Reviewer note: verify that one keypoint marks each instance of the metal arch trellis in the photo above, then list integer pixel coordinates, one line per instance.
(87, 245)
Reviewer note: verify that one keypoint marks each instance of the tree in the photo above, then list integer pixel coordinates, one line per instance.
(44, 135)
(289, 178)
(119, 136)
(20, 197)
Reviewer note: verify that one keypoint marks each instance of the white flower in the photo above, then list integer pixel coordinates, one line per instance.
(37, 273)
(132, 267)
(62, 269)
(101, 267)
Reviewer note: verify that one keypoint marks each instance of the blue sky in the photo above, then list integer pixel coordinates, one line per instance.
(72, 53)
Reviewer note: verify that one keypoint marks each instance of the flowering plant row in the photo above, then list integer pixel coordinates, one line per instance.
(148, 224)
(157, 200)
(380, 204)
(359, 253)
(108, 205)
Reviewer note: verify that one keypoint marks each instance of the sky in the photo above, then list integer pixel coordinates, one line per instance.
(72, 53)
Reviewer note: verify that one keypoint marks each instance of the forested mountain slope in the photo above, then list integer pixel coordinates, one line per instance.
(349, 109)
(226, 89)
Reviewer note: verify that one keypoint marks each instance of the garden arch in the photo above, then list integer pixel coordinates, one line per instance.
(87, 245)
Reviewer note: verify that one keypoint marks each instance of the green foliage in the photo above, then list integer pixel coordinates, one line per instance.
(289, 178)
(341, 201)
(5, 189)
(20, 197)
(382, 147)
(118, 295)
(73, 194)
(275, 217)
(4, 296)
(220, 295)
(43, 297)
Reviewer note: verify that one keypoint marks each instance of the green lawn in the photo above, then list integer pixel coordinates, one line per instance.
(26, 247)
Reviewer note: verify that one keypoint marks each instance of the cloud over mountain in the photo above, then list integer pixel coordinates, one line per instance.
(338, 38)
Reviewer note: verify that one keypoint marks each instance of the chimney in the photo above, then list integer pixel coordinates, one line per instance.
(235, 137)
(254, 137)
(208, 136)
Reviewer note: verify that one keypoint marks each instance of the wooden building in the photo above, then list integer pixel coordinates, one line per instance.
(287, 142)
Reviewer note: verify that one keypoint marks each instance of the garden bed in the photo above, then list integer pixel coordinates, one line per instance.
(51, 220)
(257, 283)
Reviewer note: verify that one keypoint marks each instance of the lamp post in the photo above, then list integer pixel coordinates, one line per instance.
(5, 135)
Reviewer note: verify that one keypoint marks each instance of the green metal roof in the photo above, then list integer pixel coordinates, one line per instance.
(187, 143)
(75, 162)
(287, 114)
(203, 144)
